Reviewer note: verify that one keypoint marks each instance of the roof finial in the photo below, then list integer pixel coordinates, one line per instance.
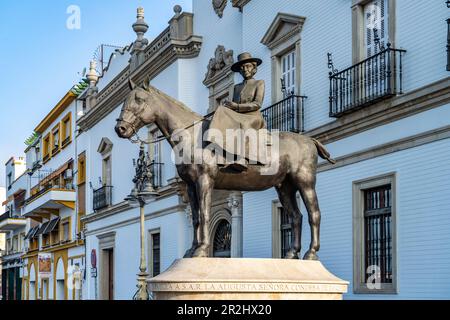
(92, 74)
(177, 9)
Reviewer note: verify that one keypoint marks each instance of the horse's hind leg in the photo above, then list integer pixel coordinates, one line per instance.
(309, 196)
(205, 186)
(193, 200)
(286, 194)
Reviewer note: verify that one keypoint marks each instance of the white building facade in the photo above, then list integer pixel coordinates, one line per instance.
(384, 117)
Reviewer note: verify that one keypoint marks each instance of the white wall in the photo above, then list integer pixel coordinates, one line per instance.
(422, 209)
(226, 31)
(2, 198)
(420, 29)
(173, 229)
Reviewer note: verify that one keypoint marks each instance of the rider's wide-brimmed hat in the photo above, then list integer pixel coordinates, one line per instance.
(244, 58)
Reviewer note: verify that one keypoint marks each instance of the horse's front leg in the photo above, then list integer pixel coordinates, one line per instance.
(205, 186)
(193, 201)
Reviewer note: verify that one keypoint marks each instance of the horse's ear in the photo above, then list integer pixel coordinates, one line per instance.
(131, 84)
(146, 83)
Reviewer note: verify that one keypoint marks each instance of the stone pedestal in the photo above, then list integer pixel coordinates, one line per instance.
(244, 278)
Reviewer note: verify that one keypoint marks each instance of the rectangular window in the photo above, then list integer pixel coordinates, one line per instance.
(156, 156)
(8, 246)
(22, 241)
(288, 73)
(285, 232)
(377, 231)
(375, 235)
(372, 18)
(375, 23)
(15, 243)
(81, 168)
(66, 130)
(10, 180)
(65, 230)
(46, 148)
(56, 143)
(106, 172)
(155, 238)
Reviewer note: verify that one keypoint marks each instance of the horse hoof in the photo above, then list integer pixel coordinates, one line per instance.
(188, 254)
(292, 254)
(310, 255)
(200, 253)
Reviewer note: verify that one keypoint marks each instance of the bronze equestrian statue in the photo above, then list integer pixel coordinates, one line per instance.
(296, 159)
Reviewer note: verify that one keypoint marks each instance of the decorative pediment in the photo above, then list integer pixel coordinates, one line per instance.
(283, 27)
(219, 65)
(105, 146)
(219, 6)
(239, 3)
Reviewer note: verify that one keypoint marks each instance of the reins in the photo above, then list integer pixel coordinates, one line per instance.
(163, 137)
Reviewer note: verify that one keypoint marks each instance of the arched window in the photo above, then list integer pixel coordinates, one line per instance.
(222, 240)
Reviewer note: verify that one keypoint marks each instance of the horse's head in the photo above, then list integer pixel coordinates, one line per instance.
(136, 111)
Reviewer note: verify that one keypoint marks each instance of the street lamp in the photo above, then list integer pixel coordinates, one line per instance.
(141, 194)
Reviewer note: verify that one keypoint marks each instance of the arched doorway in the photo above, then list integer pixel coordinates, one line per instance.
(32, 286)
(222, 239)
(59, 292)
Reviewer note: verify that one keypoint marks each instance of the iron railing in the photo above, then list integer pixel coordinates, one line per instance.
(44, 189)
(367, 82)
(286, 115)
(5, 216)
(157, 170)
(102, 198)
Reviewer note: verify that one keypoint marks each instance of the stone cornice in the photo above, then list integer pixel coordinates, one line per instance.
(161, 53)
(387, 148)
(416, 101)
(239, 3)
(169, 190)
(159, 213)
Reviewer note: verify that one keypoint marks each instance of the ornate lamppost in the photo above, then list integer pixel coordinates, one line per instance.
(141, 194)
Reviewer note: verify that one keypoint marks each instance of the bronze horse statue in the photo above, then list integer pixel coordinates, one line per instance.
(298, 156)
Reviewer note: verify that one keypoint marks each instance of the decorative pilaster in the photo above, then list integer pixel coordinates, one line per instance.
(139, 45)
(235, 205)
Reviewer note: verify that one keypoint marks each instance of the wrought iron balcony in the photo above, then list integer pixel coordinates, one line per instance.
(102, 198)
(157, 170)
(286, 115)
(369, 81)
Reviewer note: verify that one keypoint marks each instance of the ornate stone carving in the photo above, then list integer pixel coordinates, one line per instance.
(219, 6)
(219, 78)
(222, 61)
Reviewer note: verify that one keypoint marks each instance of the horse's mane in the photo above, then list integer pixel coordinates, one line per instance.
(154, 90)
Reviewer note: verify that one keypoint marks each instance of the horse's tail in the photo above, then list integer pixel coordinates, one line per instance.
(323, 153)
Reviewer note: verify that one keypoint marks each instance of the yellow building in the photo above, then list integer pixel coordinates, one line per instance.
(54, 258)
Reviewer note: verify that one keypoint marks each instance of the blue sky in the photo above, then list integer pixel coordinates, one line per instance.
(40, 57)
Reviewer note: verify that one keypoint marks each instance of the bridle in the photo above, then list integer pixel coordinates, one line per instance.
(136, 139)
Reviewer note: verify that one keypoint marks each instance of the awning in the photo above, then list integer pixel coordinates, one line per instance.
(41, 229)
(51, 225)
(31, 232)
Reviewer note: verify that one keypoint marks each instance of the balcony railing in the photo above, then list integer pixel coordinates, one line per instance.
(43, 190)
(157, 170)
(367, 82)
(5, 216)
(286, 115)
(102, 198)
